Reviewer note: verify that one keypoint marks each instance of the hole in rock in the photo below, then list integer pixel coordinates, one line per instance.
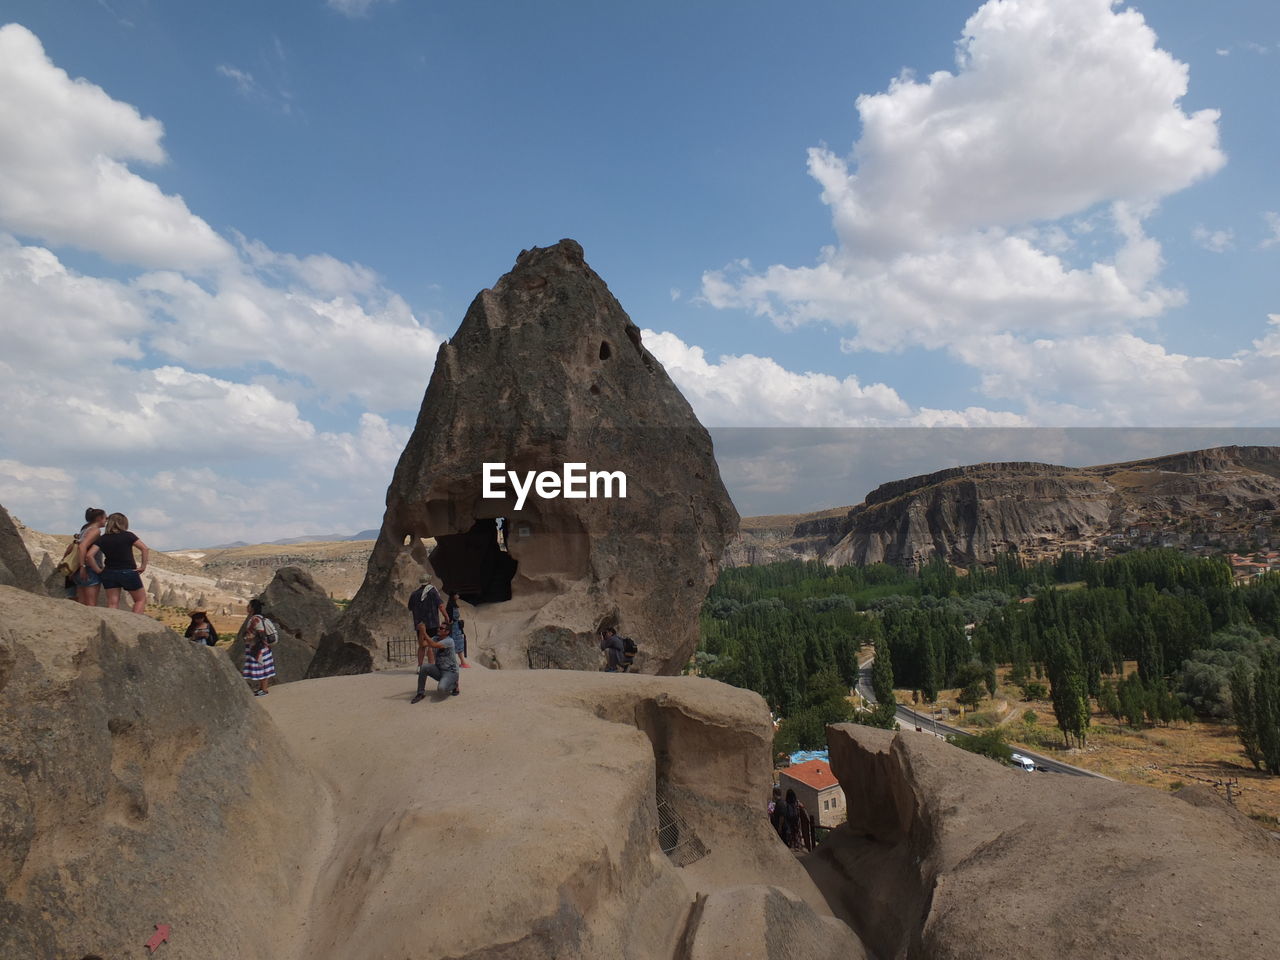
(595, 388)
(475, 564)
(605, 351)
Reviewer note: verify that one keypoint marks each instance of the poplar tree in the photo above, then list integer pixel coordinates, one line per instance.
(1246, 716)
(882, 672)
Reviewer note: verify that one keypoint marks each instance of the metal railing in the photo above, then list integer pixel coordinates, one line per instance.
(675, 836)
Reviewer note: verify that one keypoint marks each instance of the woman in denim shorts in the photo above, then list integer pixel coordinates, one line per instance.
(121, 572)
(86, 580)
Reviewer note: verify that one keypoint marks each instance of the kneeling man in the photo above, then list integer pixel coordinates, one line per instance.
(444, 669)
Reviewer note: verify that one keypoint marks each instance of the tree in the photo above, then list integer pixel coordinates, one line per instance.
(929, 686)
(882, 672)
(972, 694)
(1108, 701)
(1246, 717)
(1266, 707)
(1068, 688)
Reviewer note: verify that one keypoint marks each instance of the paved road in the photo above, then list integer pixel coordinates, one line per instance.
(912, 720)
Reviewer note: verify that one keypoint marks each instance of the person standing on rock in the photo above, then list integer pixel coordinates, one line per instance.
(87, 579)
(445, 668)
(120, 571)
(454, 613)
(428, 613)
(259, 663)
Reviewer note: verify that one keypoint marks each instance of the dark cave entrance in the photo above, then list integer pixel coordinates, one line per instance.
(476, 565)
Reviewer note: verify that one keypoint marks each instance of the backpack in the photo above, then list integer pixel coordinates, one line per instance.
(268, 637)
(70, 561)
(629, 651)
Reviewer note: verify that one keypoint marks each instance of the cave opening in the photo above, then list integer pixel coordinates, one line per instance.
(476, 565)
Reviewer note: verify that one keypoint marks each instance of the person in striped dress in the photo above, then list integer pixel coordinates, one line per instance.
(259, 664)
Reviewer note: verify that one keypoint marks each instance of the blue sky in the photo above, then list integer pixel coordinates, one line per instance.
(232, 236)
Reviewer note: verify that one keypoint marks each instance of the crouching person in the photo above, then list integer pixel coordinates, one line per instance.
(444, 669)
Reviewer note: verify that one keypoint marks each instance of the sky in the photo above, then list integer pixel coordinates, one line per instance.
(233, 236)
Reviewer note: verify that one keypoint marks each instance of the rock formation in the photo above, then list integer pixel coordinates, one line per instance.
(969, 514)
(16, 567)
(537, 815)
(774, 539)
(547, 369)
(140, 784)
(550, 814)
(302, 613)
(949, 855)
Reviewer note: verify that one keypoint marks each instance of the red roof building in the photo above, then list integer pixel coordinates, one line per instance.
(818, 789)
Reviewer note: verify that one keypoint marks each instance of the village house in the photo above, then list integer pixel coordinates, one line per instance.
(818, 789)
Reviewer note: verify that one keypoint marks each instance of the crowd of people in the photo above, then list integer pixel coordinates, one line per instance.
(102, 557)
(105, 554)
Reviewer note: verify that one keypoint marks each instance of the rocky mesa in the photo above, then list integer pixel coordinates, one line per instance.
(969, 514)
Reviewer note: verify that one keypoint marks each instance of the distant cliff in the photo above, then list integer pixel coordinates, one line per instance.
(1218, 498)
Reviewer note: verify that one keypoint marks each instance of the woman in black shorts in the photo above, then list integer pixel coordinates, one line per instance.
(121, 572)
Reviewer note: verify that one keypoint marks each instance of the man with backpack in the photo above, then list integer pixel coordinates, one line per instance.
(620, 652)
(428, 613)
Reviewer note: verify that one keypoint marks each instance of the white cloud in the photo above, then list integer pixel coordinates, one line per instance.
(25, 489)
(1215, 241)
(58, 320)
(245, 85)
(1273, 224)
(1124, 380)
(64, 145)
(1054, 109)
(750, 391)
(178, 395)
(277, 97)
(354, 8)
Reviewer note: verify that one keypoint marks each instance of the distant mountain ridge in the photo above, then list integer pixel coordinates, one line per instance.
(290, 541)
(1199, 501)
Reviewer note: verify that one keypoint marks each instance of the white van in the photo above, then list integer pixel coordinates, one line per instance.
(1025, 763)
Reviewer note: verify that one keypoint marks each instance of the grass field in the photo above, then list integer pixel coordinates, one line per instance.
(1164, 757)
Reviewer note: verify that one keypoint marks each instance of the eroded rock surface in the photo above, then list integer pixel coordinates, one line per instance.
(947, 855)
(521, 820)
(16, 566)
(140, 784)
(548, 369)
(538, 815)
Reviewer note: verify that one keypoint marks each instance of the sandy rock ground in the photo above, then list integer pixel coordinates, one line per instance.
(141, 783)
(524, 811)
(951, 856)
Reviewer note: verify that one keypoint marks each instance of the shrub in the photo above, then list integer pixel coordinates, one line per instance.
(989, 743)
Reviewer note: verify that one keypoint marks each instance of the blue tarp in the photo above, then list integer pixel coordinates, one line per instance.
(804, 756)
